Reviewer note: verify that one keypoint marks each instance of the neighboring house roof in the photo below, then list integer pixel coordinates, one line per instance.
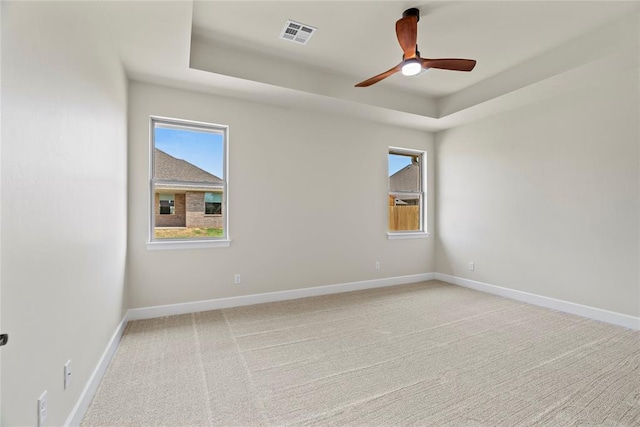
(169, 168)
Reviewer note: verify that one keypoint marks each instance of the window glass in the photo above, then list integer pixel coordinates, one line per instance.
(213, 203)
(405, 171)
(167, 204)
(188, 180)
(406, 195)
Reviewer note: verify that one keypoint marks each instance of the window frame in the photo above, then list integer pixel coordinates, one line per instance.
(423, 232)
(187, 243)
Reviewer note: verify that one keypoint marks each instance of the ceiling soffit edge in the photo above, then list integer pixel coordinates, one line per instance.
(252, 66)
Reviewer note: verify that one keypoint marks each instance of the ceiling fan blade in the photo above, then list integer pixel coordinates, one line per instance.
(380, 76)
(407, 32)
(449, 64)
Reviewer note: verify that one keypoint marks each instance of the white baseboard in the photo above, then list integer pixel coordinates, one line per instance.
(606, 316)
(216, 304)
(78, 411)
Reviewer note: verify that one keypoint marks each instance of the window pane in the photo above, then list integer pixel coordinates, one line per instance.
(188, 180)
(213, 197)
(406, 195)
(404, 212)
(190, 155)
(404, 172)
(167, 204)
(213, 203)
(213, 208)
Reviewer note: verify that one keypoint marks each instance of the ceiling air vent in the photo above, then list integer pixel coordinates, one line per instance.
(297, 32)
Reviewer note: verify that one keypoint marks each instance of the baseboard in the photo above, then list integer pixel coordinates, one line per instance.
(216, 304)
(78, 411)
(612, 317)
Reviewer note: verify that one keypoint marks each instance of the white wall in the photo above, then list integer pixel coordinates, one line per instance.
(545, 198)
(1, 7)
(308, 202)
(63, 201)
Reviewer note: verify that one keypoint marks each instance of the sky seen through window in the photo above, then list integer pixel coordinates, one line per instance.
(203, 149)
(397, 162)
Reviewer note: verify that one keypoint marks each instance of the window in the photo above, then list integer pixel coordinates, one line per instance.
(188, 184)
(406, 193)
(167, 204)
(212, 203)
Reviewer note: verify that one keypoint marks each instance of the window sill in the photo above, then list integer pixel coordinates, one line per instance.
(187, 244)
(416, 235)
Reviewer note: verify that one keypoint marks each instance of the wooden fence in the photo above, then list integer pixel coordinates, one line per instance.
(403, 218)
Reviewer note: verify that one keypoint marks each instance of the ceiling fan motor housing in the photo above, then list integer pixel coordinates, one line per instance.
(417, 54)
(412, 12)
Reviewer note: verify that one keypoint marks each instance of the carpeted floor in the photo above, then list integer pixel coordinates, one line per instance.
(428, 354)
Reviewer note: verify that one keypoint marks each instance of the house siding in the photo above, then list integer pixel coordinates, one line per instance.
(178, 219)
(195, 212)
(406, 179)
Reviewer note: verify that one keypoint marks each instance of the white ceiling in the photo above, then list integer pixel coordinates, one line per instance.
(232, 48)
(358, 38)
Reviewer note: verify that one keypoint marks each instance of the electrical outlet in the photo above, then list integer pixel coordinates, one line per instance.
(42, 408)
(377, 265)
(67, 374)
(236, 279)
(472, 266)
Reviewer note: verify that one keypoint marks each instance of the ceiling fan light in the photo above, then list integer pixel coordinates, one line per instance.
(411, 67)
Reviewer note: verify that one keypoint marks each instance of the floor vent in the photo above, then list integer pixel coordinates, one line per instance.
(297, 32)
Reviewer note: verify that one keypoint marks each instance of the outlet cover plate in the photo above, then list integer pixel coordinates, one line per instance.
(67, 374)
(43, 410)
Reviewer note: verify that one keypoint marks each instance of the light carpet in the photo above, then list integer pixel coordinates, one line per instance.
(429, 354)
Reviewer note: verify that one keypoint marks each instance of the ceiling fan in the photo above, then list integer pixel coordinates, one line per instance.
(412, 63)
